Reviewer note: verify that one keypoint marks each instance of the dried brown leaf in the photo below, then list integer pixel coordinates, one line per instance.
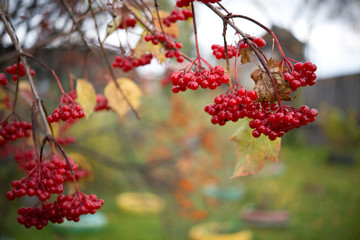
(245, 55)
(264, 86)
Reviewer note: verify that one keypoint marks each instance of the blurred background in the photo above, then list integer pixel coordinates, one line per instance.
(168, 175)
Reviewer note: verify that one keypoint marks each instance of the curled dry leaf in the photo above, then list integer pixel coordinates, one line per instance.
(116, 100)
(264, 86)
(245, 55)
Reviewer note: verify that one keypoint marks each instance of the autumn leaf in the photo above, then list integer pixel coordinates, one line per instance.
(86, 96)
(3, 96)
(264, 86)
(116, 100)
(252, 152)
(172, 30)
(25, 91)
(245, 55)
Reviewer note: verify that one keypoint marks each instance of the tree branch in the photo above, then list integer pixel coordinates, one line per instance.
(9, 29)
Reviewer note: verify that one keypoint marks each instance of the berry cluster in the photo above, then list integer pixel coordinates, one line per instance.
(233, 106)
(275, 121)
(219, 51)
(68, 109)
(15, 129)
(22, 157)
(72, 206)
(172, 47)
(207, 78)
(177, 15)
(42, 179)
(69, 207)
(127, 23)
(259, 42)
(185, 3)
(14, 70)
(35, 216)
(303, 74)
(101, 103)
(128, 63)
(3, 80)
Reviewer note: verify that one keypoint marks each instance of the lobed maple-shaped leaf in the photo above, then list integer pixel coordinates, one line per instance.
(86, 96)
(116, 99)
(265, 88)
(253, 152)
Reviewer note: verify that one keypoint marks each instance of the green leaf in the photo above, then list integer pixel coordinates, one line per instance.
(252, 152)
(86, 96)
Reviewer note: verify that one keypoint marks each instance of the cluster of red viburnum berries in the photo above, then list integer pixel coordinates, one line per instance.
(127, 23)
(172, 48)
(232, 51)
(13, 70)
(207, 78)
(270, 119)
(15, 129)
(177, 15)
(44, 179)
(68, 109)
(127, 63)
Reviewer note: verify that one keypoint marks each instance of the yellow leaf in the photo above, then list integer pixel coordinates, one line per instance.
(86, 96)
(139, 15)
(25, 91)
(116, 100)
(172, 30)
(3, 96)
(112, 26)
(143, 47)
(252, 152)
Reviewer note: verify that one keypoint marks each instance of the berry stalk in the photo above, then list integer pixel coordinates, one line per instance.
(195, 32)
